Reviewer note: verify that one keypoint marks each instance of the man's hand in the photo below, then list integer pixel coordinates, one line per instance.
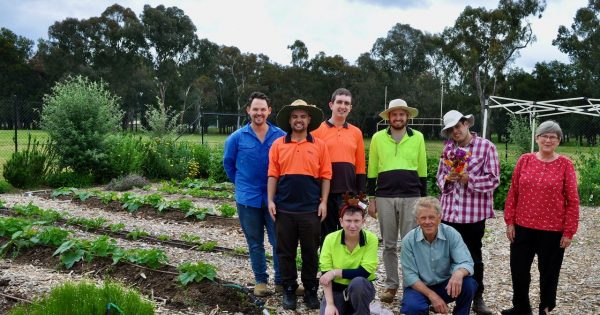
(323, 210)
(510, 233)
(272, 209)
(372, 209)
(438, 303)
(454, 286)
(463, 178)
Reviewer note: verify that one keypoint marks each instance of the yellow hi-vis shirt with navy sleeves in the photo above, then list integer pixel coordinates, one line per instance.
(362, 261)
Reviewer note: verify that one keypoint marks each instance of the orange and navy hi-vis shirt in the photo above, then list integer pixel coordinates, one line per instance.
(347, 151)
(299, 168)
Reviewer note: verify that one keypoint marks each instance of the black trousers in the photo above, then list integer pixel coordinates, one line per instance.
(546, 244)
(332, 221)
(472, 234)
(293, 228)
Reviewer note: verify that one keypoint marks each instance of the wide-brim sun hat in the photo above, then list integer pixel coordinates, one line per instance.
(399, 104)
(452, 118)
(283, 117)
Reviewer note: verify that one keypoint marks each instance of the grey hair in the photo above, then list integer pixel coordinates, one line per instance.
(549, 126)
(429, 203)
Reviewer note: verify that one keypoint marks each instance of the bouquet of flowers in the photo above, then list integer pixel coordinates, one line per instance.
(456, 158)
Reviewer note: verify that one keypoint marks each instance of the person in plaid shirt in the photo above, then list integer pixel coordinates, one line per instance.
(467, 195)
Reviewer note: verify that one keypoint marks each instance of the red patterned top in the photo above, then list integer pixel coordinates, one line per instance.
(543, 195)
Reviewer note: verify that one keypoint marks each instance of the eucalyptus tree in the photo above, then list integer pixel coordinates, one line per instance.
(482, 43)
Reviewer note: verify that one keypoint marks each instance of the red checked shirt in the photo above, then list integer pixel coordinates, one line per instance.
(543, 195)
(474, 201)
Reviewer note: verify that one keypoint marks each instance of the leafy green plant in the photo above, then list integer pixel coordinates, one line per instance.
(32, 211)
(28, 167)
(506, 170)
(191, 238)
(86, 298)
(196, 272)
(116, 227)
(241, 250)
(162, 122)
(88, 224)
(103, 246)
(63, 191)
(163, 237)
(216, 171)
(208, 246)
(5, 186)
(50, 235)
(588, 169)
(153, 258)
(78, 115)
(131, 202)
(227, 210)
(107, 197)
(157, 201)
(83, 195)
(124, 156)
(197, 213)
(73, 251)
(137, 233)
(69, 178)
(184, 205)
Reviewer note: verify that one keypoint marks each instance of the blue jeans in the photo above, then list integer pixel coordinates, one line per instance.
(253, 222)
(415, 303)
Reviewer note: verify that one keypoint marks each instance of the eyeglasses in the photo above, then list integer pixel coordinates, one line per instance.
(548, 137)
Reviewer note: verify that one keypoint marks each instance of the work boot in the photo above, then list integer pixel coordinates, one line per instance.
(516, 311)
(479, 306)
(289, 297)
(388, 295)
(260, 289)
(311, 300)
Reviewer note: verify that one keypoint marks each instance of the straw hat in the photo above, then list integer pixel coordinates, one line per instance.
(283, 117)
(399, 104)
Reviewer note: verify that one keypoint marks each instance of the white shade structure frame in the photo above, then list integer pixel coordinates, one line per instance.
(538, 109)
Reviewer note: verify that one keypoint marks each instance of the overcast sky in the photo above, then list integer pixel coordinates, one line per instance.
(345, 27)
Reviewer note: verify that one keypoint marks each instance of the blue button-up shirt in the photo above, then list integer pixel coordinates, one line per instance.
(434, 262)
(246, 161)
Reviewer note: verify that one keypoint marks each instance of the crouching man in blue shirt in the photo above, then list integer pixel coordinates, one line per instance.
(436, 265)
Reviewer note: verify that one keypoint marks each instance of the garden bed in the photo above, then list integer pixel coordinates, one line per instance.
(577, 290)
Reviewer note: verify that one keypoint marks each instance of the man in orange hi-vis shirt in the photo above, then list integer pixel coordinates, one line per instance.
(347, 151)
(297, 191)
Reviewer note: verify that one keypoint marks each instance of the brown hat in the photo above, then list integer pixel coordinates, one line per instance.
(283, 117)
(399, 104)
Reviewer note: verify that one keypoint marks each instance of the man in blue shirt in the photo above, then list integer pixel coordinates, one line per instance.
(437, 267)
(246, 160)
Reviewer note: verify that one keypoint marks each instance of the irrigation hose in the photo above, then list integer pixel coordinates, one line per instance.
(110, 306)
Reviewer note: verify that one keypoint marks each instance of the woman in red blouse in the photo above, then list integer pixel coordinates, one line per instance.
(541, 215)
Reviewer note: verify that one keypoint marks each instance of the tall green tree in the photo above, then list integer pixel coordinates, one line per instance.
(482, 43)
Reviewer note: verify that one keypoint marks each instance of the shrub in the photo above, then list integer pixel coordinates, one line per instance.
(162, 122)
(201, 155)
(85, 298)
(432, 168)
(166, 158)
(216, 172)
(5, 187)
(27, 168)
(128, 182)
(588, 169)
(124, 155)
(519, 133)
(68, 178)
(506, 171)
(78, 115)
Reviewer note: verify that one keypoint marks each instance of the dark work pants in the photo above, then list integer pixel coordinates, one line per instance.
(546, 244)
(472, 234)
(291, 228)
(332, 221)
(360, 294)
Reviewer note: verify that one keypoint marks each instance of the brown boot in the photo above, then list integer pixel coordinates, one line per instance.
(479, 306)
(388, 295)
